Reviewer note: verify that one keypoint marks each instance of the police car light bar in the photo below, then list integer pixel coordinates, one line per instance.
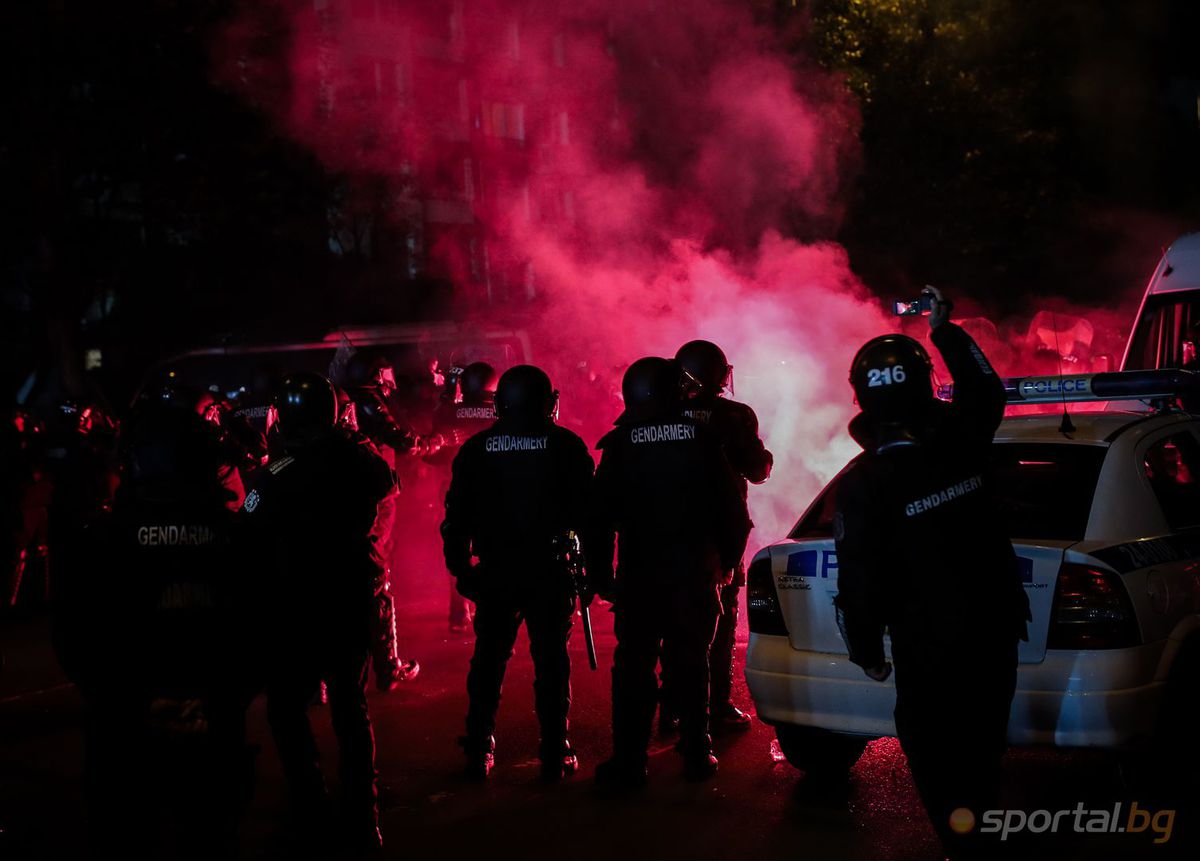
(1157, 385)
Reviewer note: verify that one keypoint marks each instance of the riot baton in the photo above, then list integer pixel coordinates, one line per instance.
(570, 556)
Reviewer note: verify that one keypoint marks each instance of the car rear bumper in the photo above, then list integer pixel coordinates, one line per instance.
(1107, 699)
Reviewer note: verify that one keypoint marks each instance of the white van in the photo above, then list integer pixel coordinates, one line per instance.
(1167, 327)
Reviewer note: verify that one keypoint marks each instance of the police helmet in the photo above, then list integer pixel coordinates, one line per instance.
(306, 404)
(651, 385)
(368, 367)
(524, 391)
(891, 376)
(478, 382)
(705, 365)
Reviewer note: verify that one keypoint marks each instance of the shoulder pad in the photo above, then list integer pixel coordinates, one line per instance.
(739, 409)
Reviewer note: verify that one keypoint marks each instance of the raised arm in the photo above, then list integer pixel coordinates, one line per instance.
(979, 396)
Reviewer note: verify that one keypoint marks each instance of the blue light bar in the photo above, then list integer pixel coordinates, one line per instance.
(1158, 385)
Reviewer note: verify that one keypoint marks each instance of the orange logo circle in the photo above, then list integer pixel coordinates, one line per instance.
(962, 821)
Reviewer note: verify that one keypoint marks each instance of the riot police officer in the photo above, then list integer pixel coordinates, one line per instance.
(316, 519)
(516, 488)
(923, 554)
(372, 382)
(158, 652)
(461, 418)
(665, 489)
(473, 411)
(708, 375)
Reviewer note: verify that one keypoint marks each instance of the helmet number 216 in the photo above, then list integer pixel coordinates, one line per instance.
(885, 376)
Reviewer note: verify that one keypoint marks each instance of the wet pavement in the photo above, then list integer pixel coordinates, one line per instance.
(758, 806)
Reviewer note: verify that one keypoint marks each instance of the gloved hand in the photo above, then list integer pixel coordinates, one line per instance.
(880, 673)
(468, 581)
(941, 306)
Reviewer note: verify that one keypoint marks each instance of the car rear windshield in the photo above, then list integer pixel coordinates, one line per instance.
(1044, 492)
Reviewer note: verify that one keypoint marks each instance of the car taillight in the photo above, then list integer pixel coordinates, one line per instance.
(762, 601)
(1092, 610)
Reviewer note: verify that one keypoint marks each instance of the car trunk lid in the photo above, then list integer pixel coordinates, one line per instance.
(806, 571)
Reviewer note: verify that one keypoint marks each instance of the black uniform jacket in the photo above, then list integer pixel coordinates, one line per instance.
(665, 487)
(313, 521)
(736, 425)
(515, 487)
(158, 608)
(466, 418)
(921, 549)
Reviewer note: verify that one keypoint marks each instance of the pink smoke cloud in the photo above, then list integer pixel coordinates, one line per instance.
(644, 162)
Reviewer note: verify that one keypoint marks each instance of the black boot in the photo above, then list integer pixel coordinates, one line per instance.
(558, 761)
(481, 756)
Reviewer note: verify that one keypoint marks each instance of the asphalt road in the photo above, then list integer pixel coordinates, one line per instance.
(758, 807)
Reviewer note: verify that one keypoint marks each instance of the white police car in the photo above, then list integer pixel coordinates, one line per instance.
(1105, 516)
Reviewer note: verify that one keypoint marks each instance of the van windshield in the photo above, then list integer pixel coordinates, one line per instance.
(1166, 333)
(1044, 492)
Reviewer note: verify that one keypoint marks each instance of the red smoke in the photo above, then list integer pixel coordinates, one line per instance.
(640, 197)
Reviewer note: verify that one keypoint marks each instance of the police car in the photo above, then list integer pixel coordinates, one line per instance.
(1104, 511)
